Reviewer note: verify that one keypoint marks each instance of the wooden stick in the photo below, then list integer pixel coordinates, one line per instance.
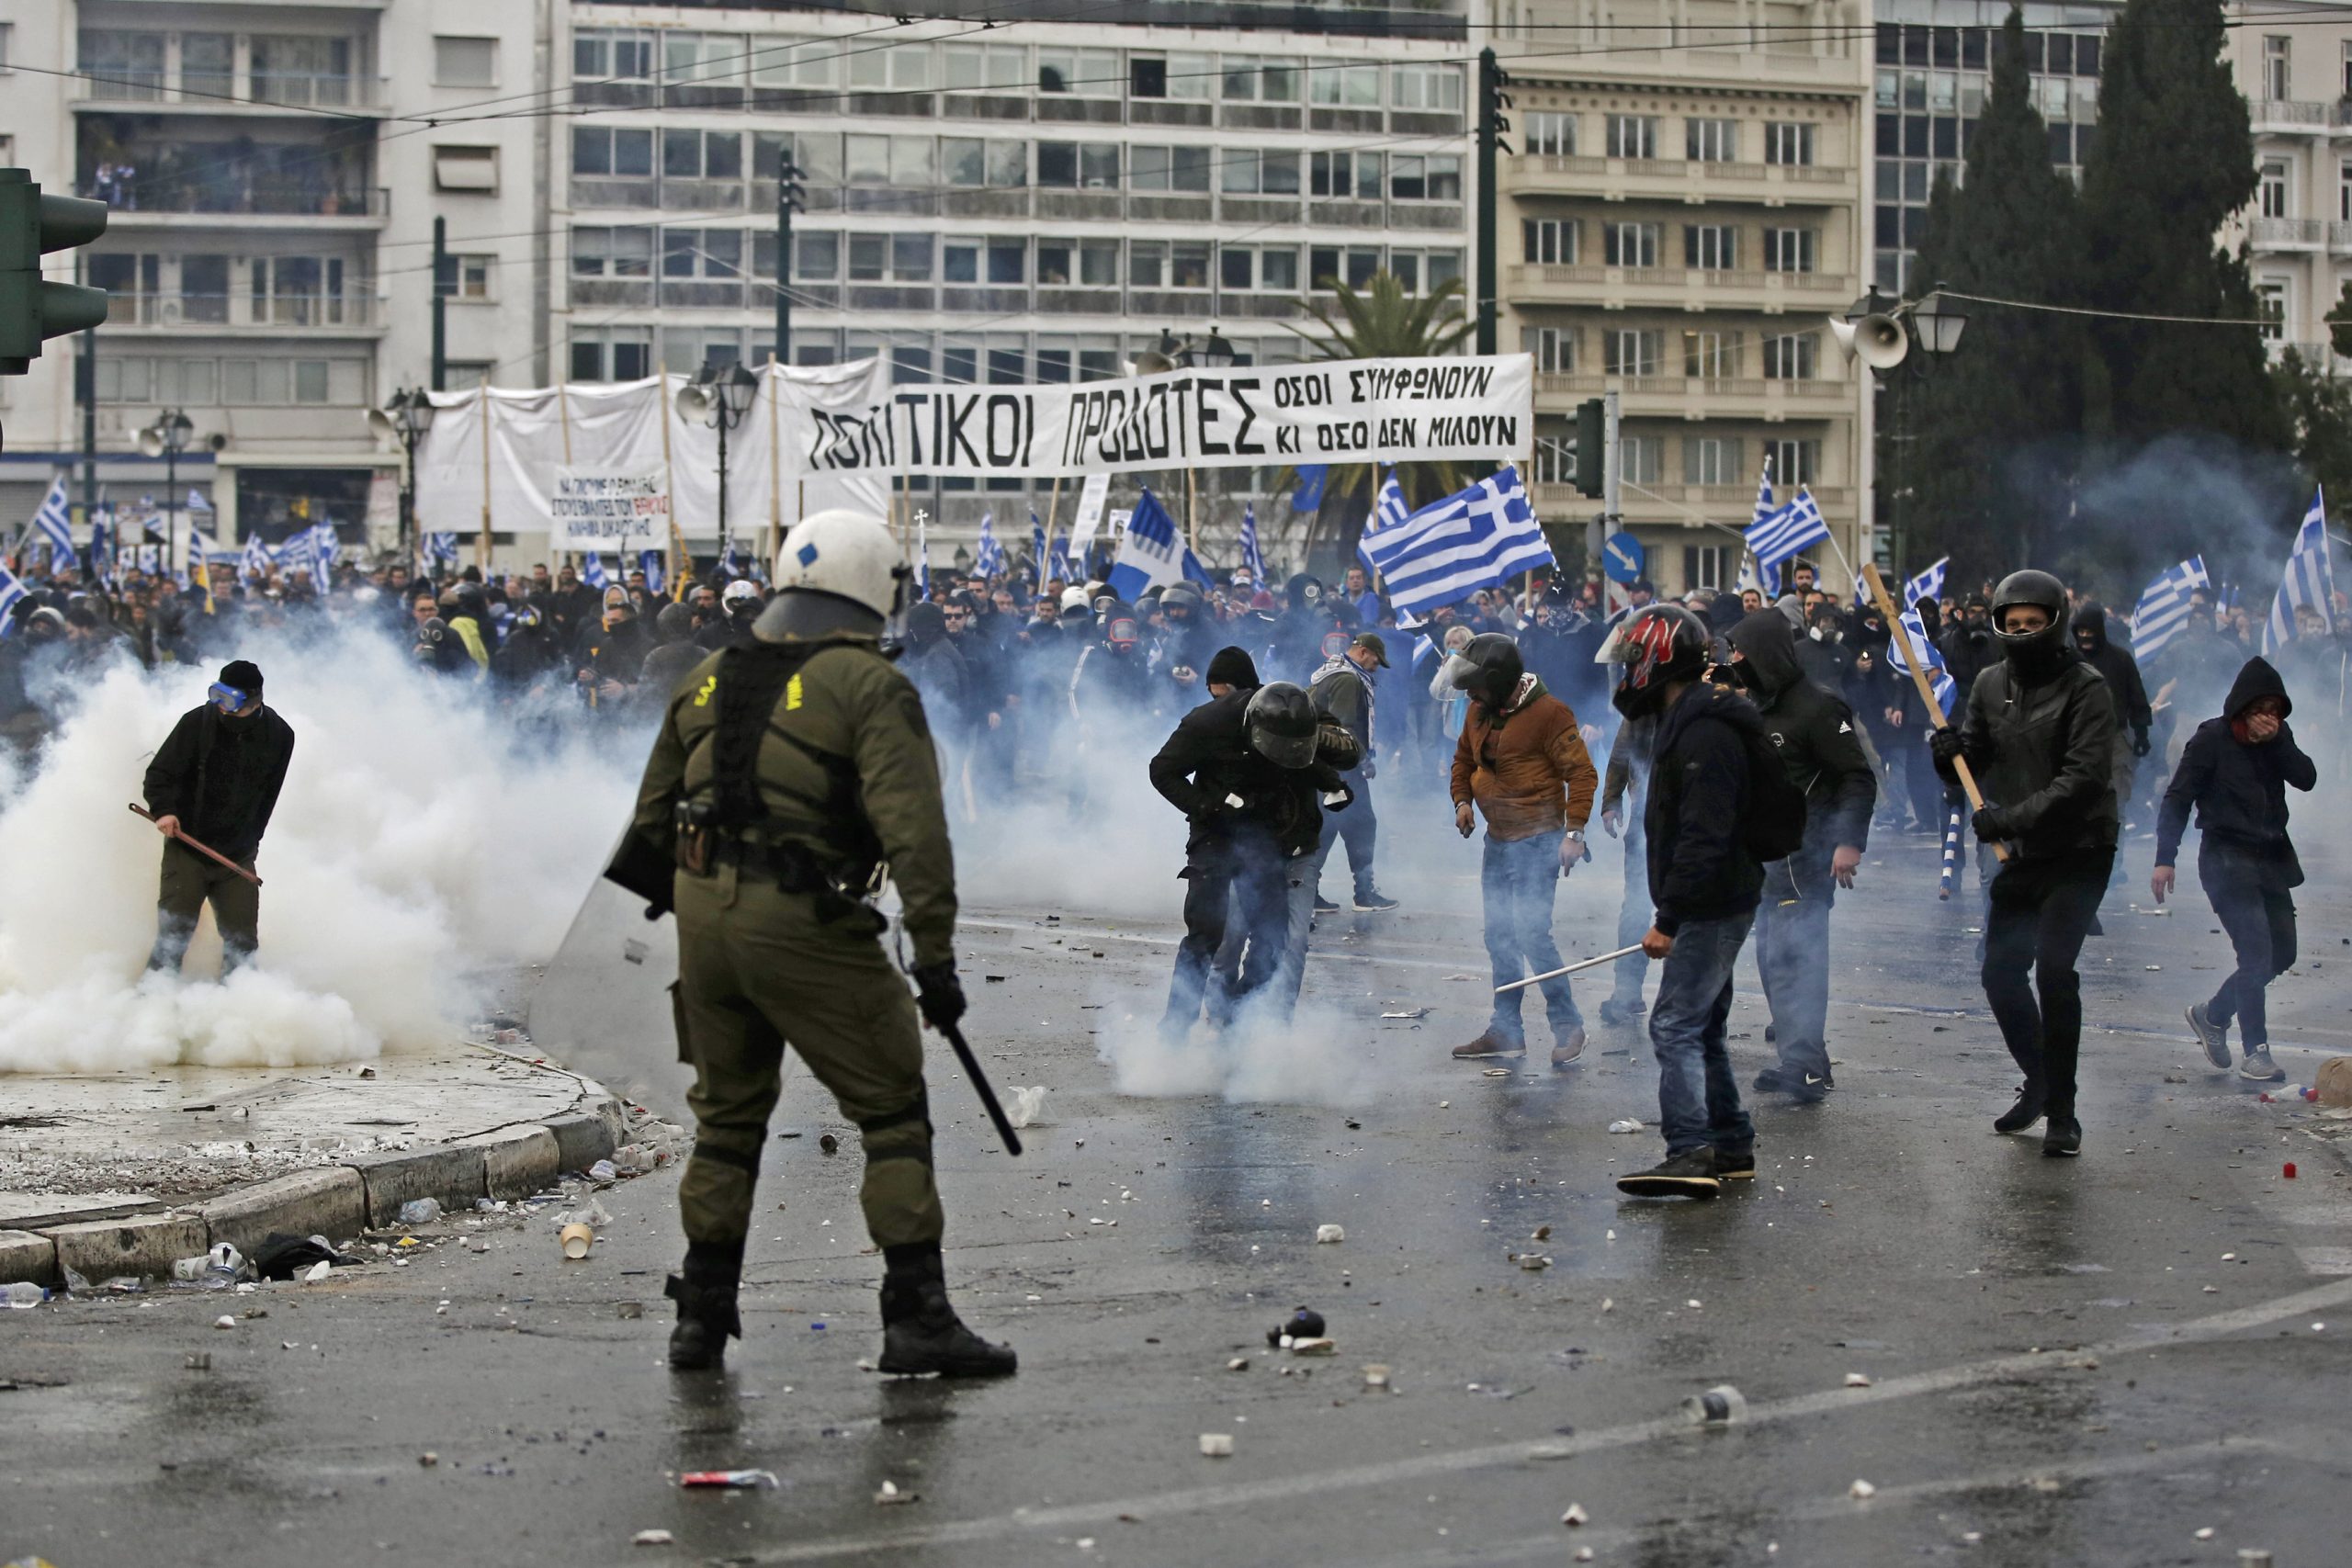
(1570, 969)
(1926, 692)
(202, 849)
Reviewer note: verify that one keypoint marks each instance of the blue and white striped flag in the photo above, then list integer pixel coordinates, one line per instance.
(2309, 580)
(324, 548)
(990, 561)
(12, 592)
(54, 520)
(2164, 610)
(257, 560)
(1939, 678)
(1795, 529)
(1768, 578)
(441, 549)
(592, 571)
(196, 501)
(651, 562)
(1388, 510)
(1058, 559)
(1036, 544)
(1151, 554)
(1252, 555)
(729, 561)
(1451, 548)
(922, 558)
(1928, 584)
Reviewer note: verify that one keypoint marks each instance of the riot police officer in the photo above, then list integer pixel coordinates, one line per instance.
(791, 770)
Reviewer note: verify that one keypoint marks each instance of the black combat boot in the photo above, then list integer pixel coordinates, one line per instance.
(706, 1297)
(921, 1333)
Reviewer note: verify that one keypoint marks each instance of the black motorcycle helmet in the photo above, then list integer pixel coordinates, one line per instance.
(2090, 628)
(1281, 724)
(1662, 643)
(1181, 604)
(1490, 670)
(2032, 655)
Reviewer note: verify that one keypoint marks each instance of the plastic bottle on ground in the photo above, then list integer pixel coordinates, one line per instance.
(420, 1210)
(24, 1295)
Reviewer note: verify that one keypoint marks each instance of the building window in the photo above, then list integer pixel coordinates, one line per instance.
(983, 67)
(1343, 175)
(1632, 136)
(1711, 247)
(2271, 298)
(124, 64)
(1081, 73)
(1711, 141)
(714, 255)
(1555, 349)
(623, 354)
(1085, 264)
(1631, 244)
(903, 68)
(1632, 351)
(605, 150)
(784, 62)
(1711, 355)
(465, 62)
(612, 253)
(1708, 566)
(2277, 67)
(1641, 458)
(1253, 81)
(2273, 191)
(1788, 250)
(1344, 86)
(1555, 459)
(1549, 241)
(1415, 178)
(816, 256)
(473, 276)
(1789, 357)
(967, 162)
(719, 154)
(2344, 190)
(1435, 87)
(1248, 172)
(1170, 168)
(1071, 165)
(614, 56)
(1711, 460)
(2343, 91)
(1788, 142)
(1551, 135)
(472, 169)
(7, 37)
(1169, 76)
(1794, 462)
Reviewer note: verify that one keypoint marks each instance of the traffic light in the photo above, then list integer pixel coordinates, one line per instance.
(1592, 448)
(33, 311)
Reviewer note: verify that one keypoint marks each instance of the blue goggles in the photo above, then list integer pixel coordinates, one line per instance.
(228, 699)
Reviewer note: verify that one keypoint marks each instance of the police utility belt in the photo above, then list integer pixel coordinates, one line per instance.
(703, 847)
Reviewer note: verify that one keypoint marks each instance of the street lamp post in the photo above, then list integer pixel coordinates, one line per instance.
(167, 438)
(1882, 333)
(405, 420)
(719, 396)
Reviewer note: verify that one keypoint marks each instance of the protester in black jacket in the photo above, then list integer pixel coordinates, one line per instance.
(2039, 737)
(2130, 694)
(1814, 731)
(2235, 771)
(216, 779)
(1703, 888)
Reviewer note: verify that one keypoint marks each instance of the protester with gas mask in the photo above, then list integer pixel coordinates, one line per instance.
(1521, 762)
(1342, 690)
(2039, 737)
(2234, 771)
(215, 781)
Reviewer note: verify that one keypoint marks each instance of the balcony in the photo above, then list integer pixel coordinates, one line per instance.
(1675, 288)
(2290, 117)
(249, 206)
(1439, 219)
(1673, 504)
(207, 94)
(1768, 399)
(2288, 234)
(354, 314)
(1681, 180)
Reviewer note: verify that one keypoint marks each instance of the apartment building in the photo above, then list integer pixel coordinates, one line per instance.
(1686, 200)
(273, 175)
(2294, 64)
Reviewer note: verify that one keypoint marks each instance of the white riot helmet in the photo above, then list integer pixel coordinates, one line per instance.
(847, 554)
(739, 592)
(1074, 598)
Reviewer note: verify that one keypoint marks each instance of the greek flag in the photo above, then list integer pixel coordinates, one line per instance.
(11, 593)
(1252, 556)
(1768, 578)
(1453, 548)
(196, 501)
(1388, 510)
(1308, 494)
(728, 562)
(300, 553)
(1150, 554)
(1939, 678)
(2308, 583)
(1036, 543)
(922, 558)
(2164, 609)
(592, 571)
(54, 521)
(257, 560)
(990, 562)
(1795, 529)
(651, 563)
(1057, 559)
(441, 549)
(1928, 584)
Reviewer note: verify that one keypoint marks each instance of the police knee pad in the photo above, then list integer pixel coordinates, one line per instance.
(883, 1139)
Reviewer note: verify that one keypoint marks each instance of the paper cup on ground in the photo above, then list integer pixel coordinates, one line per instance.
(577, 1239)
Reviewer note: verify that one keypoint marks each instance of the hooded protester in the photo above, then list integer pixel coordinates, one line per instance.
(529, 654)
(2121, 673)
(1821, 649)
(935, 667)
(1521, 761)
(1297, 646)
(611, 654)
(1967, 645)
(1343, 690)
(2234, 771)
(216, 778)
(1188, 639)
(1813, 729)
(675, 653)
(1111, 681)
(2040, 736)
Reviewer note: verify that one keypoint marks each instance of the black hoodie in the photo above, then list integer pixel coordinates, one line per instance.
(1814, 731)
(2116, 667)
(1699, 865)
(2239, 787)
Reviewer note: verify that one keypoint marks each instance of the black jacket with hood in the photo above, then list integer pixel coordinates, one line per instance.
(2043, 750)
(220, 776)
(1699, 865)
(2239, 788)
(2116, 667)
(1208, 763)
(1814, 731)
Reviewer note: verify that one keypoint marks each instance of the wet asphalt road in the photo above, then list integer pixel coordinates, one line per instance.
(2063, 1368)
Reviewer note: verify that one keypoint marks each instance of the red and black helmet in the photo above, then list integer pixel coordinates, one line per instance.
(1657, 644)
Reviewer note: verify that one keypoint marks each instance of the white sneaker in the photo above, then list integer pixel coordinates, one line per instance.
(2259, 1068)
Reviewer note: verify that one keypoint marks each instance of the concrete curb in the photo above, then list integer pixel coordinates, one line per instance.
(337, 1202)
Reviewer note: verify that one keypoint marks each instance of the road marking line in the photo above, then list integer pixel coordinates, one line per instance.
(1421, 1467)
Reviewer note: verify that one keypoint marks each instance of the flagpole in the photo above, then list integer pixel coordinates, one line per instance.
(1900, 635)
(775, 461)
(661, 411)
(485, 473)
(563, 418)
(1053, 508)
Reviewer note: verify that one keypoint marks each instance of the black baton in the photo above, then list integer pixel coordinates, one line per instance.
(980, 1085)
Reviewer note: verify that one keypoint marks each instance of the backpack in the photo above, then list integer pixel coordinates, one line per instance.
(1773, 828)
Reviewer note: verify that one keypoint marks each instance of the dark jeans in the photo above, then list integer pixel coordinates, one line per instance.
(190, 881)
(1217, 885)
(1698, 1100)
(2261, 922)
(1357, 827)
(1516, 881)
(1793, 958)
(2041, 911)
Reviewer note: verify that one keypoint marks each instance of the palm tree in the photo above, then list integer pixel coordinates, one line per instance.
(1380, 321)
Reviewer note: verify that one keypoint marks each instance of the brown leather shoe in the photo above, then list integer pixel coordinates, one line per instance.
(1568, 1044)
(1489, 1044)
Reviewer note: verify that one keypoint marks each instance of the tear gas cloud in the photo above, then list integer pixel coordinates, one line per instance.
(422, 842)
(2182, 496)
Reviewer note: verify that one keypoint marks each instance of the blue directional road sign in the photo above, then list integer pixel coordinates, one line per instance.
(1620, 558)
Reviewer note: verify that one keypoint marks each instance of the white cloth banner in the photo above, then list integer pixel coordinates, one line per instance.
(1089, 517)
(609, 509)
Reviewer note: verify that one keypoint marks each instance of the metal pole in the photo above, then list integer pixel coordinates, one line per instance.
(170, 499)
(784, 262)
(441, 285)
(408, 495)
(1489, 112)
(1612, 476)
(722, 476)
(86, 382)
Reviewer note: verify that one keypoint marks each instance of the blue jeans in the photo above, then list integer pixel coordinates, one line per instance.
(1516, 883)
(1634, 913)
(1358, 827)
(1698, 1100)
(1792, 959)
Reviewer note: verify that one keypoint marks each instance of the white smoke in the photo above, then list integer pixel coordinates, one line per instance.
(422, 844)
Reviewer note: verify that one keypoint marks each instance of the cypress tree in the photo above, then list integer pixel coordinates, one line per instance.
(2173, 162)
(1989, 426)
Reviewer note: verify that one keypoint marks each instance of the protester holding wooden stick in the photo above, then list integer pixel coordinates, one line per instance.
(215, 780)
(2041, 735)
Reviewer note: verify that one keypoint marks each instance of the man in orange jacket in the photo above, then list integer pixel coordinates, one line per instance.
(1521, 760)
